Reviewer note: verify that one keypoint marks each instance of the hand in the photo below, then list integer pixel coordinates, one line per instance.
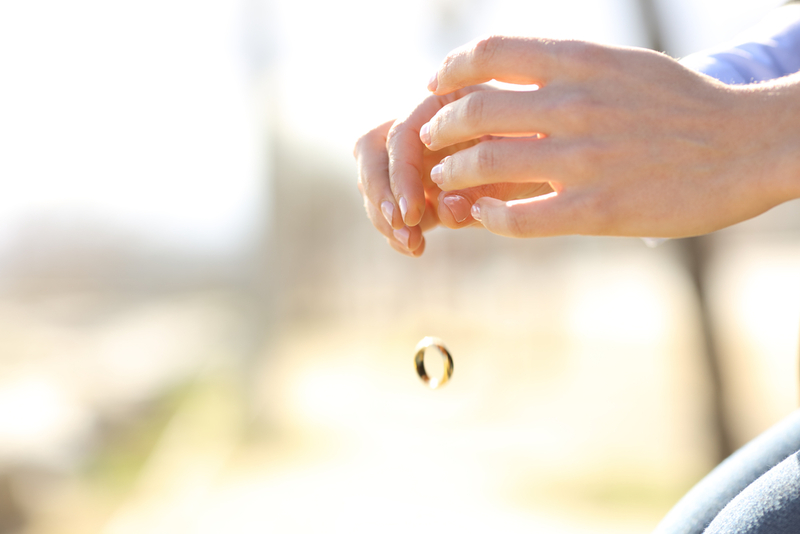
(632, 143)
(394, 178)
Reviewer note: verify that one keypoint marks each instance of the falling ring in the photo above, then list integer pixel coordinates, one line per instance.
(419, 361)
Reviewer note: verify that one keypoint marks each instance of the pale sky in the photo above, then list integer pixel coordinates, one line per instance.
(146, 115)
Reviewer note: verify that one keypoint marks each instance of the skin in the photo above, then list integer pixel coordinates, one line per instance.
(616, 141)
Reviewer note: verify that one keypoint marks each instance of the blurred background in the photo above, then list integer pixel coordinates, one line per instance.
(201, 332)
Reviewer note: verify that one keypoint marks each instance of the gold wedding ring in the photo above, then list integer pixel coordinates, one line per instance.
(419, 361)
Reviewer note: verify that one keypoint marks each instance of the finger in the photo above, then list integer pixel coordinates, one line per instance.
(405, 169)
(485, 113)
(430, 219)
(373, 173)
(408, 238)
(454, 209)
(518, 60)
(406, 152)
(543, 216)
(505, 161)
(402, 250)
(455, 206)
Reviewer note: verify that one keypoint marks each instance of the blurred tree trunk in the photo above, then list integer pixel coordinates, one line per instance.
(695, 252)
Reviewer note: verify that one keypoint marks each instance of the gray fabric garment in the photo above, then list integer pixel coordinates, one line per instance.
(771, 504)
(755, 491)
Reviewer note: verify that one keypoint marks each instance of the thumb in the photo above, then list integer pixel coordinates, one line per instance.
(546, 215)
(454, 206)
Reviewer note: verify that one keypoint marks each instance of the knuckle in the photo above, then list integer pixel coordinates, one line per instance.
(367, 141)
(566, 51)
(440, 122)
(486, 163)
(485, 50)
(516, 225)
(578, 110)
(474, 108)
(393, 133)
(447, 67)
(588, 57)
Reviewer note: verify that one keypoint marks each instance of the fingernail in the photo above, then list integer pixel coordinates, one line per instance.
(403, 207)
(387, 208)
(476, 212)
(433, 83)
(458, 205)
(425, 133)
(436, 174)
(402, 236)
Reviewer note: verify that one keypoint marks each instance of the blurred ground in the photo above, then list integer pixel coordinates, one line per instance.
(577, 402)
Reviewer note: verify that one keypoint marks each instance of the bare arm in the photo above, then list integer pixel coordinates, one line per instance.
(633, 142)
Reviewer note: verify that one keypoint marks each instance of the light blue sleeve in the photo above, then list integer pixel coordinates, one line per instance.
(769, 50)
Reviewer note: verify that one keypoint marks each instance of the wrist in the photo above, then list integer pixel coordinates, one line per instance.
(784, 97)
(772, 122)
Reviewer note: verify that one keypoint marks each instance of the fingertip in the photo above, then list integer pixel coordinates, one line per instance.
(480, 210)
(403, 203)
(436, 174)
(402, 236)
(475, 211)
(387, 209)
(417, 252)
(414, 253)
(425, 134)
(433, 83)
(409, 238)
(454, 210)
(390, 215)
(398, 247)
(415, 239)
(411, 212)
